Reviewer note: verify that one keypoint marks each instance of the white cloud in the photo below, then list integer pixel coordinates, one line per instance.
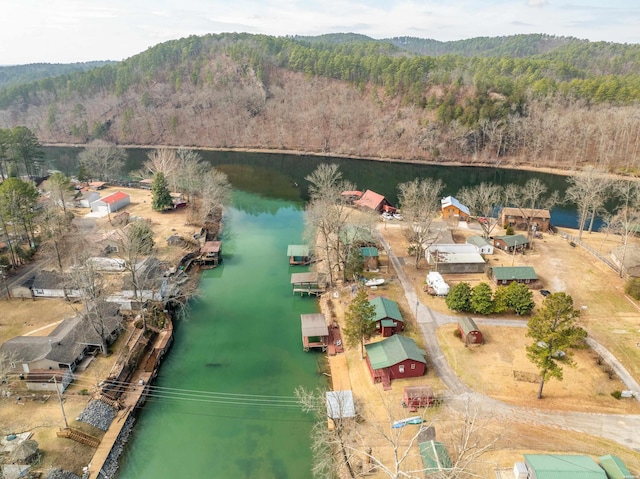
(537, 3)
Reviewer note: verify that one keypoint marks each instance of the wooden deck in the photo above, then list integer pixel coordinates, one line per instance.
(133, 396)
(336, 345)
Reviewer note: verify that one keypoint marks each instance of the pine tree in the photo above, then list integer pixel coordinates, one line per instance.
(160, 193)
(358, 317)
(554, 332)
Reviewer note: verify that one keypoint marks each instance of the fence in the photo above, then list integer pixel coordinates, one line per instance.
(606, 261)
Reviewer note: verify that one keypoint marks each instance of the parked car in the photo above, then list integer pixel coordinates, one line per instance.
(397, 216)
(387, 216)
(545, 292)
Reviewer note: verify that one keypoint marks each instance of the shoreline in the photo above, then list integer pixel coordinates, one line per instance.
(446, 163)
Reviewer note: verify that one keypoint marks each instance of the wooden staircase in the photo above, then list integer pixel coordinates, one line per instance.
(78, 436)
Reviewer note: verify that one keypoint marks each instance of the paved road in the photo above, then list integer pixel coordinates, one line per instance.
(616, 427)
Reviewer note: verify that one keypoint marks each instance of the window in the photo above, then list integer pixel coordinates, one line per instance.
(527, 280)
(401, 369)
(413, 366)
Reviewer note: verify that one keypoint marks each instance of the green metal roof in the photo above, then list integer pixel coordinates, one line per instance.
(298, 250)
(387, 323)
(385, 308)
(477, 241)
(614, 467)
(393, 350)
(558, 466)
(435, 456)
(501, 273)
(369, 252)
(353, 234)
(512, 240)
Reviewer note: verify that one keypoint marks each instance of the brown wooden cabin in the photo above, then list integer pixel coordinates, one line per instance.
(210, 254)
(315, 332)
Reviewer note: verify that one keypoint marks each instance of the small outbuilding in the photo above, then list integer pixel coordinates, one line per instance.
(453, 209)
(51, 284)
(84, 198)
(469, 332)
(435, 457)
(504, 275)
(370, 255)
(111, 203)
(298, 254)
(315, 332)
(565, 466)
(340, 405)
(387, 317)
(210, 254)
(417, 396)
(482, 245)
(614, 467)
(395, 357)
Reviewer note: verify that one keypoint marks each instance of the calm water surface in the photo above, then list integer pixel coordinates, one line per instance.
(243, 337)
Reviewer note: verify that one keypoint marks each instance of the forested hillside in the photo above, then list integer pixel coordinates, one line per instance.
(12, 75)
(527, 99)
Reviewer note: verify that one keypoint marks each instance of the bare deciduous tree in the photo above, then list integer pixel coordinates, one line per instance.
(588, 190)
(484, 202)
(102, 160)
(419, 205)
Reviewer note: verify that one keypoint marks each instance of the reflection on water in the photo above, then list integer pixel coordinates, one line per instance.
(283, 176)
(242, 339)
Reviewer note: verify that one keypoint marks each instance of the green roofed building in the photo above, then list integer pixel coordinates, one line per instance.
(388, 318)
(370, 256)
(395, 357)
(511, 242)
(298, 254)
(559, 466)
(435, 457)
(614, 467)
(508, 274)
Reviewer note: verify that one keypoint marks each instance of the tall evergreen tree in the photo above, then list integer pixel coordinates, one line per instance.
(161, 196)
(358, 317)
(554, 331)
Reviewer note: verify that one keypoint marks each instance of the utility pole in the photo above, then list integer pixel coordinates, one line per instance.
(64, 416)
(513, 256)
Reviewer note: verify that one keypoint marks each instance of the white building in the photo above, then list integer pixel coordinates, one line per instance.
(111, 203)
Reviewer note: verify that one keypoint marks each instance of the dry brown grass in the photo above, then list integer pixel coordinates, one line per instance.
(489, 368)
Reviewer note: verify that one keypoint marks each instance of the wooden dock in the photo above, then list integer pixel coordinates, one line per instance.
(134, 395)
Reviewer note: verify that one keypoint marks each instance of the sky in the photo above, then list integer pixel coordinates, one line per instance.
(68, 31)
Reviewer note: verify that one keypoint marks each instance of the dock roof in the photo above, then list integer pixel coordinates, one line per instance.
(311, 277)
(394, 350)
(298, 250)
(340, 404)
(314, 325)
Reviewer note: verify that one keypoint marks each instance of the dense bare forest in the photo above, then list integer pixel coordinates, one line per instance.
(529, 100)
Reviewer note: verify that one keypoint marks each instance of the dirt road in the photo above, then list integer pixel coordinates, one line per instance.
(619, 428)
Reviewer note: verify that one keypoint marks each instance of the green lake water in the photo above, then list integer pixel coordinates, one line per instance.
(242, 338)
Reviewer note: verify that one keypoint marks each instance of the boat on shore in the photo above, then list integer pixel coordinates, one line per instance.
(374, 282)
(410, 420)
